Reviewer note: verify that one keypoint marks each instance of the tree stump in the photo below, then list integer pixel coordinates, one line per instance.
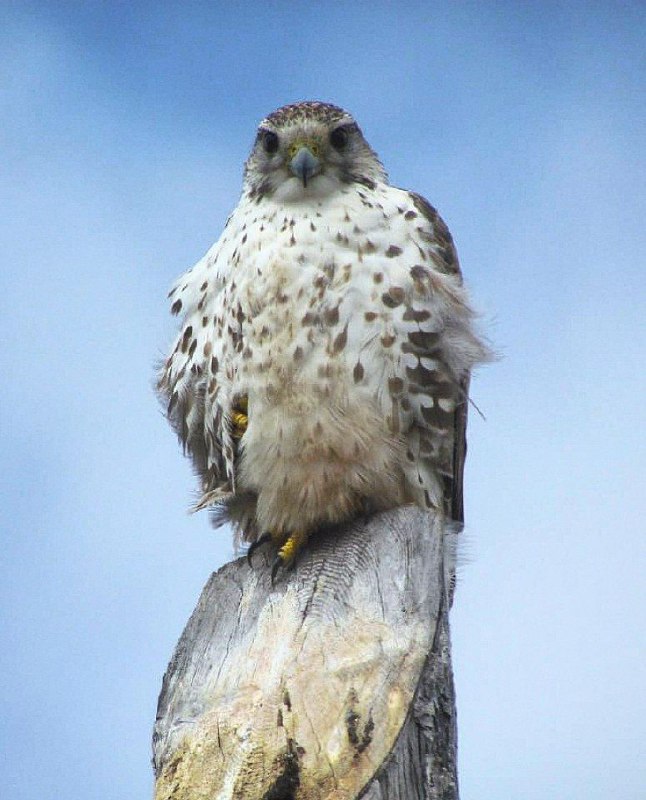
(333, 684)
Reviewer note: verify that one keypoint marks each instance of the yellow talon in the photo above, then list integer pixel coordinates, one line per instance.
(240, 422)
(288, 552)
(239, 417)
(290, 549)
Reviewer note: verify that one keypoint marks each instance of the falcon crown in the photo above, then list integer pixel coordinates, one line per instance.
(309, 149)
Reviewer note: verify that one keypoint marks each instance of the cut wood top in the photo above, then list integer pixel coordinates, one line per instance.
(299, 690)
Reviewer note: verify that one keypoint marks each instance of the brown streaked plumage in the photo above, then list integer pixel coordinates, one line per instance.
(331, 308)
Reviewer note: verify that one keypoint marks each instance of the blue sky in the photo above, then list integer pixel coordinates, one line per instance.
(124, 128)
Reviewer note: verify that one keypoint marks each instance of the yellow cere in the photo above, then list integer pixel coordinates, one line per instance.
(312, 145)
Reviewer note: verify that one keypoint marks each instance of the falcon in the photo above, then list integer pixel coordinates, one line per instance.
(321, 370)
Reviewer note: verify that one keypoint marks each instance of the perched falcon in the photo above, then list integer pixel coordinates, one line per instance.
(322, 365)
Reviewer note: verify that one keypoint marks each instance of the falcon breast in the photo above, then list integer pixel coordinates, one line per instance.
(323, 360)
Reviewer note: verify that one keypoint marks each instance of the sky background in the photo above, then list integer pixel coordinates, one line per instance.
(123, 131)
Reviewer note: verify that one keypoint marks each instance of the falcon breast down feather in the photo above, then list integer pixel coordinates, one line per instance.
(322, 365)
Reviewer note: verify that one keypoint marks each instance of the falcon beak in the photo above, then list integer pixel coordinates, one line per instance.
(304, 164)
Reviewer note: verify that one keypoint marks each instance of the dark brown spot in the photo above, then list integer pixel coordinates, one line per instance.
(416, 315)
(340, 341)
(358, 372)
(410, 215)
(176, 307)
(310, 318)
(436, 417)
(204, 286)
(369, 247)
(370, 316)
(298, 353)
(393, 251)
(388, 340)
(331, 316)
(422, 376)
(207, 349)
(186, 337)
(424, 340)
(393, 297)
(214, 364)
(395, 385)
(378, 277)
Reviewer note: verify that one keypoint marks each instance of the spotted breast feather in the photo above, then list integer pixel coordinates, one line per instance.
(322, 365)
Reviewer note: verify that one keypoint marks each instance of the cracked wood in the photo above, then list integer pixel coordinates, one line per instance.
(333, 684)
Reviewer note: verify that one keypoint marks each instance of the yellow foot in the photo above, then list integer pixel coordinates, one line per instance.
(239, 418)
(288, 552)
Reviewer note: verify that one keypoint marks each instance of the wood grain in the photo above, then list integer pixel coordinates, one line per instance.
(333, 684)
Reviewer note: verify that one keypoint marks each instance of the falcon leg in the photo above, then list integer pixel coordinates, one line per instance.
(288, 552)
(239, 418)
(266, 537)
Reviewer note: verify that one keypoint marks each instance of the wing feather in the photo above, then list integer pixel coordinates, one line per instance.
(440, 348)
(191, 382)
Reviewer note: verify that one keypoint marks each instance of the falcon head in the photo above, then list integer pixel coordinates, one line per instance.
(309, 149)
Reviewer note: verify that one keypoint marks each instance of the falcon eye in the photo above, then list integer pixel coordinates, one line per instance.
(339, 138)
(270, 142)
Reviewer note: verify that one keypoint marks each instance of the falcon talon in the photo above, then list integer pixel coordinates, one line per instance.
(266, 537)
(278, 563)
(286, 564)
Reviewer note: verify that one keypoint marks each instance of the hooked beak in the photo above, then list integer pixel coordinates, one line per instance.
(304, 164)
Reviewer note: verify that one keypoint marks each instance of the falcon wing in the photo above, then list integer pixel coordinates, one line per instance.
(192, 386)
(440, 347)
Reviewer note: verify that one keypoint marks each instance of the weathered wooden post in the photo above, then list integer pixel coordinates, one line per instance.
(333, 684)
